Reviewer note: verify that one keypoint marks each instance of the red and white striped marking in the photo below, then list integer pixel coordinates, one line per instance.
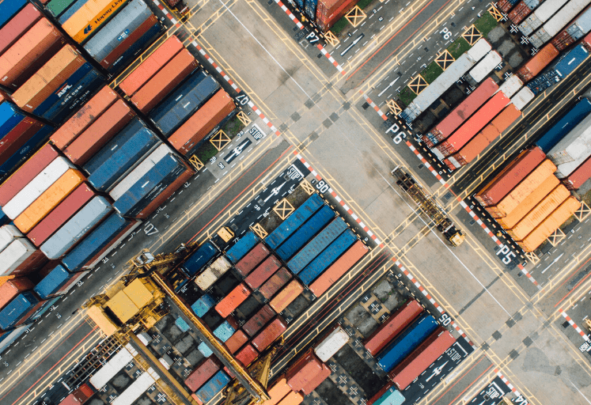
(167, 13)
(290, 14)
(331, 59)
(508, 384)
(375, 107)
(574, 325)
(340, 201)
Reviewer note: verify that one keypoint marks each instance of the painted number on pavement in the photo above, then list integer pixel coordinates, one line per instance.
(506, 254)
(397, 135)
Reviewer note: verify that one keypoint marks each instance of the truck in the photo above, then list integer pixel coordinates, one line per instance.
(576, 30)
(540, 16)
(566, 124)
(557, 22)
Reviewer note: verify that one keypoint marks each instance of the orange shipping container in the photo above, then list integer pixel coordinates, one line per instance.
(293, 398)
(84, 117)
(236, 297)
(522, 190)
(93, 14)
(164, 81)
(47, 79)
(550, 224)
(539, 213)
(506, 118)
(149, 67)
(278, 392)
(99, 133)
(47, 201)
(202, 122)
(537, 63)
(12, 288)
(529, 203)
(286, 296)
(29, 53)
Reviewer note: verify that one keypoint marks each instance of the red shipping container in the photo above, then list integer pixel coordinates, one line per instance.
(421, 358)
(375, 342)
(236, 341)
(510, 176)
(303, 371)
(60, 214)
(462, 112)
(12, 288)
(202, 373)
(133, 37)
(473, 125)
(247, 355)
(327, 14)
(27, 172)
(163, 82)
(275, 283)
(99, 133)
(537, 63)
(252, 259)
(79, 397)
(149, 67)
(580, 175)
(587, 41)
(338, 268)
(165, 194)
(17, 137)
(504, 5)
(85, 116)
(17, 26)
(519, 13)
(317, 380)
(268, 335)
(260, 319)
(265, 270)
(233, 300)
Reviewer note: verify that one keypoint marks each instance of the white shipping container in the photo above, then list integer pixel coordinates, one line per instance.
(334, 342)
(14, 255)
(574, 146)
(521, 99)
(220, 266)
(8, 233)
(148, 163)
(113, 246)
(511, 86)
(540, 16)
(558, 22)
(166, 361)
(485, 66)
(36, 187)
(581, 26)
(136, 389)
(144, 338)
(565, 169)
(479, 50)
(111, 368)
(206, 279)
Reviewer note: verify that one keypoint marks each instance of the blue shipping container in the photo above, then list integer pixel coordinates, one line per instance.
(204, 349)
(326, 258)
(213, 386)
(391, 397)
(224, 331)
(294, 221)
(135, 49)
(94, 242)
(46, 307)
(51, 283)
(310, 9)
(26, 151)
(79, 225)
(571, 61)
(10, 117)
(182, 324)
(305, 233)
(10, 337)
(184, 101)
(16, 309)
(8, 8)
(120, 154)
(242, 247)
(200, 258)
(71, 10)
(406, 342)
(564, 125)
(3, 218)
(202, 305)
(300, 4)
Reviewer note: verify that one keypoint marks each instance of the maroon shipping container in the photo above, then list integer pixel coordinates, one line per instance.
(260, 319)
(504, 5)
(580, 175)
(247, 355)
(538, 62)
(236, 341)
(252, 259)
(204, 371)
(317, 380)
(18, 136)
(303, 371)
(262, 273)
(30, 265)
(17, 26)
(79, 397)
(26, 173)
(269, 334)
(275, 283)
(60, 214)
(519, 13)
(392, 327)
(133, 37)
(379, 394)
(99, 133)
(502, 184)
(165, 194)
(328, 12)
(421, 358)
(163, 82)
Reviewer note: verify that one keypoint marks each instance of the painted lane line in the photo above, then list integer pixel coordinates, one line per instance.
(340, 201)
(573, 324)
(509, 385)
(168, 15)
(331, 59)
(375, 107)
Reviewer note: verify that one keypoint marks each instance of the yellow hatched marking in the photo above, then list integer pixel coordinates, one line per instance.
(355, 16)
(283, 209)
(472, 35)
(418, 84)
(243, 118)
(445, 59)
(220, 140)
(196, 163)
(259, 230)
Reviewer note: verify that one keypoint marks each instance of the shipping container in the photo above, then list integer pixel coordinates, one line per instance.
(189, 96)
(310, 8)
(258, 320)
(576, 30)
(557, 22)
(247, 355)
(421, 358)
(262, 273)
(205, 350)
(57, 7)
(200, 258)
(506, 5)
(540, 16)
(237, 340)
(294, 221)
(166, 193)
(79, 397)
(13, 162)
(71, 9)
(18, 310)
(9, 8)
(579, 176)
(293, 398)
(137, 388)
(202, 373)
(120, 155)
(203, 305)
(269, 334)
(566, 124)
(461, 113)
(571, 61)
(12, 288)
(330, 345)
(200, 124)
(305, 233)
(327, 257)
(406, 342)
(232, 301)
(522, 98)
(252, 259)
(574, 146)
(19, 135)
(18, 26)
(224, 331)
(8, 234)
(52, 284)
(317, 380)
(387, 331)
(242, 247)
(387, 396)
(485, 66)
(303, 371)
(151, 65)
(163, 82)
(550, 224)
(90, 17)
(328, 12)
(112, 367)
(11, 337)
(511, 175)
(275, 283)
(286, 296)
(19, 258)
(277, 392)
(213, 386)
(76, 228)
(522, 10)
(206, 279)
(29, 53)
